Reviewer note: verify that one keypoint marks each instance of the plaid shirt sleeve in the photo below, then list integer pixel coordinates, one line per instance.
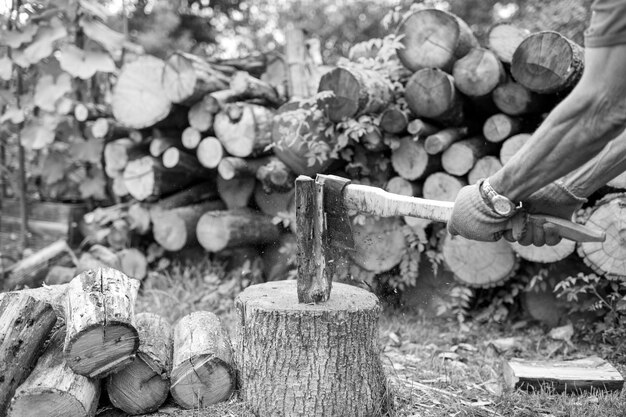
(607, 26)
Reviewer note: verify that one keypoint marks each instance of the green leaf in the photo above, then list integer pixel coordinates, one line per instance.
(87, 150)
(53, 168)
(84, 64)
(109, 39)
(6, 68)
(93, 187)
(43, 44)
(48, 91)
(15, 38)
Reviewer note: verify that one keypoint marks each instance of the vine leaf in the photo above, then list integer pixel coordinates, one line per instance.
(16, 38)
(48, 91)
(84, 64)
(43, 44)
(39, 132)
(87, 150)
(53, 168)
(13, 114)
(93, 186)
(109, 39)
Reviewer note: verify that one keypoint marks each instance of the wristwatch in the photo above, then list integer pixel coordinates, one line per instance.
(501, 205)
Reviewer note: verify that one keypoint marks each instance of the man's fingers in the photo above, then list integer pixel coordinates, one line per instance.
(551, 234)
(538, 235)
(508, 235)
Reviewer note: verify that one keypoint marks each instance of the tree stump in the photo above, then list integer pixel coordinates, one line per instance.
(431, 93)
(297, 359)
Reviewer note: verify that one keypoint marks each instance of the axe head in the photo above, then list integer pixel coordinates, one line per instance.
(338, 226)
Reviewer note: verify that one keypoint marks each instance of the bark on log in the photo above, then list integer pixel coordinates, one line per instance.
(442, 186)
(133, 263)
(504, 38)
(356, 92)
(399, 185)
(138, 100)
(461, 156)
(25, 323)
(244, 129)
(236, 193)
(273, 203)
(203, 372)
(512, 145)
(431, 93)
(545, 254)
(201, 114)
(217, 230)
(194, 194)
(478, 73)
(411, 161)
(434, 39)
(143, 386)
(53, 389)
(379, 243)
(176, 228)
(191, 137)
(270, 367)
(187, 78)
(249, 87)
(547, 62)
(101, 337)
(210, 152)
(442, 140)
(500, 127)
(484, 167)
(394, 120)
(479, 264)
(420, 128)
(514, 99)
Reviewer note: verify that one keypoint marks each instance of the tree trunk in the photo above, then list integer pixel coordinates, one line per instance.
(236, 193)
(249, 87)
(25, 323)
(379, 243)
(479, 264)
(545, 254)
(143, 386)
(440, 141)
(399, 185)
(203, 372)
(484, 167)
(420, 128)
(478, 73)
(133, 263)
(210, 152)
(512, 145)
(187, 78)
(341, 376)
(461, 156)
(431, 93)
(504, 38)
(191, 137)
(53, 389)
(442, 186)
(219, 230)
(515, 100)
(176, 228)
(244, 129)
(411, 161)
(434, 39)
(394, 120)
(500, 127)
(194, 194)
(547, 62)
(101, 337)
(273, 203)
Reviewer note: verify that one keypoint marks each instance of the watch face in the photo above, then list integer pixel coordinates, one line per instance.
(502, 206)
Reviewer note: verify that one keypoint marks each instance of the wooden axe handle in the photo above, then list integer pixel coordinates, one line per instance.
(373, 200)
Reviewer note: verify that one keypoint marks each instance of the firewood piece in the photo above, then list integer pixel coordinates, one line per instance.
(504, 38)
(133, 263)
(191, 137)
(379, 243)
(118, 186)
(618, 182)
(143, 386)
(399, 185)
(60, 275)
(116, 153)
(545, 254)
(210, 152)
(478, 73)
(440, 141)
(484, 167)
(217, 230)
(244, 129)
(461, 156)
(574, 376)
(138, 100)
(351, 312)
(394, 120)
(434, 39)
(431, 93)
(53, 389)
(479, 264)
(411, 161)
(512, 145)
(501, 126)
(175, 158)
(159, 144)
(514, 99)
(231, 166)
(547, 62)
(608, 257)
(420, 128)
(203, 372)
(176, 228)
(236, 193)
(101, 337)
(201, 114)
(138, 218)
(187, 78)
(442, 186)
(249, 87)
(272, 203)
(276, 176)
(356, 92)
(24, 327)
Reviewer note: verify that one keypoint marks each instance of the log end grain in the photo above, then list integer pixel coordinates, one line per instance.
(379, 244)
(545, 254)
(484, 168)
(191, 137)
(478, 73)
(346, 88)
(431, 93)
(189, 388)
(504, 38)
(442, 186)
(512, 145)
(54, 403)
(210, 152)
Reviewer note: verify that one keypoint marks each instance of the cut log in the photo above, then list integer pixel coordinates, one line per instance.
(545, 254)
(174, 158)
(434, 39)
(394, 120)
(273, 203)
(504, 38)
(442, 186)
(191, 137)
(461, 156)
(279, 258)
(138, 218)
(201, 114)
(60, 275)
(203, 372)
(53, 389)
(143, 386)
(608, 257)
(411, 161)
(138, 100)
(500, 127)
(236, 193)
(160, 144)
(484, 167)
(618, 182)
(420, 128)
(547, 62)
(512, 145)
(176, 228)
(440, 141)
(117, 154)
(479, 264)
(24, 327)
(478, 73)
(275, 176)
(431, 93)
(217, 230)
(248, 87)
(133, 263)
(575, 376)
(210, 152)
(244, 129)
(514, 99)
(355, 92)
(399, 185)
(231, 167)
(379, 243)
(273, 327)
(99, 312)
(186, 78)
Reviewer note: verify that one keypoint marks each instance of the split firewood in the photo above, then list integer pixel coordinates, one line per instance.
(461, 156)
(504, 38)
(420, 128)
(249, 87)
(143, 386)
(547, 62)
(217, 230)
(160, 144)
(53, 389)
(273, 203)
(99, 313)
(501, 126)
(411, 161)
(434, 39)
(478, 73)
(442, 186)
(133, 263)
(394, 120)
(431, 93)
(443, 139)
(236, 193)
(210, 152)
(484, 167)
(187, 78)
(25, 324)
(203, 372)
(514, 99)
(191, 137)
(244, 129)
(379, 243)
(512, 145)
(402, 186)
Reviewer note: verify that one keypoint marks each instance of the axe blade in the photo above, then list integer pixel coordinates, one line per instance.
(338, 226)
